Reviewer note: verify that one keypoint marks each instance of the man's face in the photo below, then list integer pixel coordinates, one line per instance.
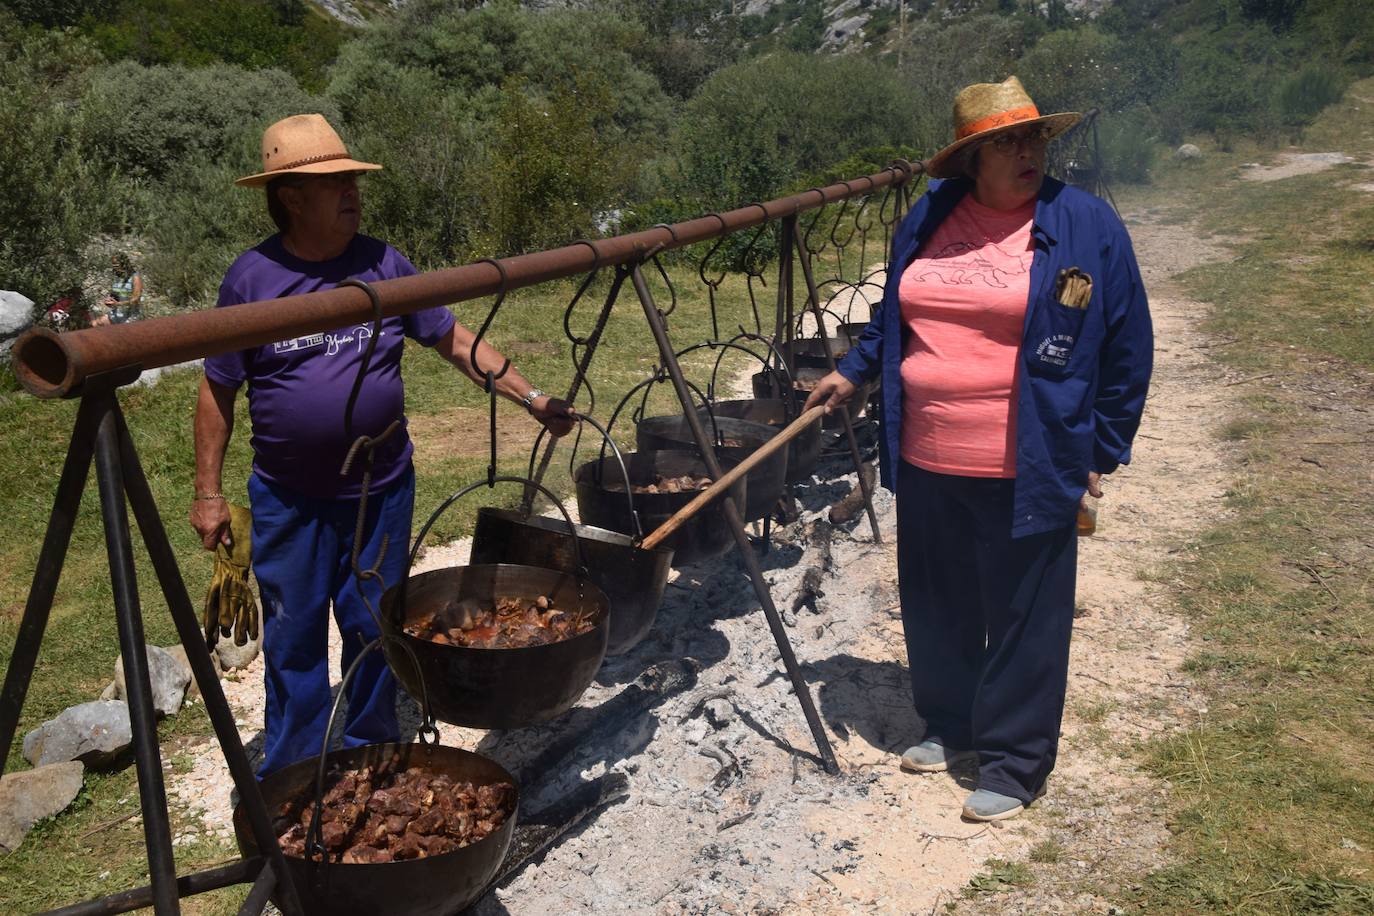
(1012, 164)
(325, 207)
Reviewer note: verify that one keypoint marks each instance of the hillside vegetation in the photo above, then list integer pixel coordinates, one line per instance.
(507, 128)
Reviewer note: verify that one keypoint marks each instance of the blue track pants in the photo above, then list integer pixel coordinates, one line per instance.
(988, 619)
(302, 549)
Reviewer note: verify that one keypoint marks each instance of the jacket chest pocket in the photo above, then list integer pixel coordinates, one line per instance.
(1053, 338)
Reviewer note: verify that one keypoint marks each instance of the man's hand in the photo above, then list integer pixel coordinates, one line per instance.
(557, 415)
(832, 391)
(210, 518)
(1094, 485)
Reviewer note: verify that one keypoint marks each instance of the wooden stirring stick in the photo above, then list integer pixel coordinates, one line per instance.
(790, 432)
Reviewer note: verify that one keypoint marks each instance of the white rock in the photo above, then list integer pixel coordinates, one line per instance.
(94, 733)
(1188, 151)
(167, 675)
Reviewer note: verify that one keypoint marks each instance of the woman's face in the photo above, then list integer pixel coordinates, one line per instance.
(1010, 167)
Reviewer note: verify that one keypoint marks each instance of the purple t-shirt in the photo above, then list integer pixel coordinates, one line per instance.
(297, 389)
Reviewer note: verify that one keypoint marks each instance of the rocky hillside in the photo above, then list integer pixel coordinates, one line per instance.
(838, 24)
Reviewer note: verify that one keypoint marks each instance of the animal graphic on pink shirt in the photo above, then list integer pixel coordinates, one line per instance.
(963, 264)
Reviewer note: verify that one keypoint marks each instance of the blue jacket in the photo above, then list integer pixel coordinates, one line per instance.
(1083, 372)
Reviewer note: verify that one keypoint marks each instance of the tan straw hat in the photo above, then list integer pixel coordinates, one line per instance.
(303, 145)
(984, 109)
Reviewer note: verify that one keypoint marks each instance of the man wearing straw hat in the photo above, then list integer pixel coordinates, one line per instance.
(1014, 346)
(303, 509)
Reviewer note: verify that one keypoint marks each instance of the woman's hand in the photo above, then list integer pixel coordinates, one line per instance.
(557, 415)
(1094, 485)
(832, 391)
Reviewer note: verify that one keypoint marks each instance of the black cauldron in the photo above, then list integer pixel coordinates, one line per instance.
(495, 688)
(766, 386)
(802, 452)
(601, 501)
(633, 579)
(433, 886)
(767, 479)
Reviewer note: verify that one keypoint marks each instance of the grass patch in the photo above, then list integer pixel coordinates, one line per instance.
(999, 876)
(1273, 797)
(1048, 852)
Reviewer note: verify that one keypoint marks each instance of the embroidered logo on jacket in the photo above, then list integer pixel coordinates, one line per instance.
(1055, 349)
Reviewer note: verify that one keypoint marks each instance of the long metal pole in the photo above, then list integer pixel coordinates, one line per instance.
(52, 365)
(188, 885)
(157, 830)
(844, 412)
(198, 656)
(45, 577)
(736, 523)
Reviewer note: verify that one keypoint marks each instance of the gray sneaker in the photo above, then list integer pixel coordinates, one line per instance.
(987, 805)
(930, 756)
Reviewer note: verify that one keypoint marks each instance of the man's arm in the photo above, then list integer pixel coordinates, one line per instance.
(456, 347)
(214, 424)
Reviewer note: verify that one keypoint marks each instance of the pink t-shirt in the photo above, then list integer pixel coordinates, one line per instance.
(964, 303)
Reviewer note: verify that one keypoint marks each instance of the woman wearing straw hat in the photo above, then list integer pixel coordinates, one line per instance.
(1014, 346)
(303, 508)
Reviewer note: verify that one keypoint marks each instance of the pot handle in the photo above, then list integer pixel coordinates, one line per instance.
(577, 541)
(654, 379)
(427, 734)
(619, 460)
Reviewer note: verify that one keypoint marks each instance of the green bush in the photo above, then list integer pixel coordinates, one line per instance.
(146, 121)
(1302, 96)
(255, 34)
(1127, 145)
(943, 57)
(759, 126)
(198, 222)
(53, 196)
(550, 173)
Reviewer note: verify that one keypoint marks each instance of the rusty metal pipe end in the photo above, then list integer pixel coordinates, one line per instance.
(43, 364)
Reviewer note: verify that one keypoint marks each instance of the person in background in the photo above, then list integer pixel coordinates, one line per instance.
(1014, 345)
(125, 300)
(303, 509)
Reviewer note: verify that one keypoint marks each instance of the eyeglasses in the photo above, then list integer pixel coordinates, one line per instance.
(1035, 138)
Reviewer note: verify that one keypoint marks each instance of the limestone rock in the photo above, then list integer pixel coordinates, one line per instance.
(1188, 152)
(178, 652)
(232, 657)
(16, 316)
(29, 796)
(95, 733)
(168, 676)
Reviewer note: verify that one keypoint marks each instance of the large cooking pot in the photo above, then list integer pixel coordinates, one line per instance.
(802, 452)
(766, 385)
(632, 578)
(740, 437)
(494, 688)
(601, 501)
(433, 886)
(809, 352)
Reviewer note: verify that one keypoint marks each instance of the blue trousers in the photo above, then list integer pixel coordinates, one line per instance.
(302, 557)
(988, 619)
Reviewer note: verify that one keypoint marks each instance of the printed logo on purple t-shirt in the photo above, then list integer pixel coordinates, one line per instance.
(298, 388)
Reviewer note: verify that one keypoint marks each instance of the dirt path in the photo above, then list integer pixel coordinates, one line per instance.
(726, 809)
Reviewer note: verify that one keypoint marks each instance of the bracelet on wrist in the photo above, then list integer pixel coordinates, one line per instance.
(529, 399)
(200, 496)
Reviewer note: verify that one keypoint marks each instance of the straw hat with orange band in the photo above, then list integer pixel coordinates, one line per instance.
(985, 109)
(303, 144)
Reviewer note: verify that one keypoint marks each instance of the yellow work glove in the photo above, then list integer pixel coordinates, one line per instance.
(229, 604)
